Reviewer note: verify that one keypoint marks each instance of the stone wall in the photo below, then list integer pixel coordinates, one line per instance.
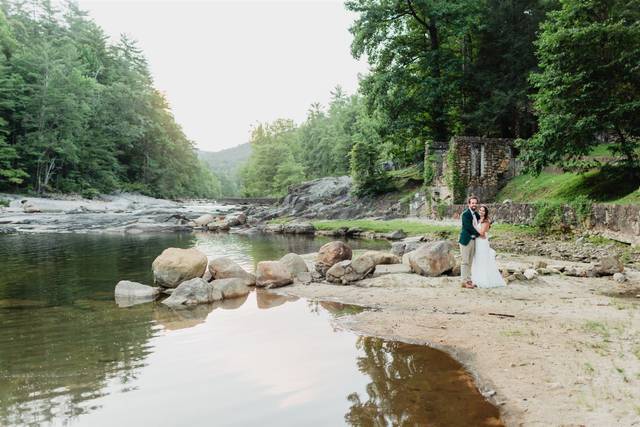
(618, 222)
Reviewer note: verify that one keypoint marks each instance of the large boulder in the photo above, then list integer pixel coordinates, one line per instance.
(348, 271)
(231, 288)
(299, 228)
(175, 265)
(203, 220)
(194, 291)
(271, 228)
(608, 266)
(218, 226)
(330, 254)
(294, 263)
(272, 274)
(433, 259)
(226, 268)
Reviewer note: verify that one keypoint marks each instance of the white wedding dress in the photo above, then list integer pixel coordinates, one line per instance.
(484, 269)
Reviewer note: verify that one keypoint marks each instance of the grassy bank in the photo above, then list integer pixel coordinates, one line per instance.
(603, 186)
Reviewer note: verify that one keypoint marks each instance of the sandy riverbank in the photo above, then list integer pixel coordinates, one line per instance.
(569, 356)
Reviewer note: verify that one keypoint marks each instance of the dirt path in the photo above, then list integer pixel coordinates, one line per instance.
(569, 356)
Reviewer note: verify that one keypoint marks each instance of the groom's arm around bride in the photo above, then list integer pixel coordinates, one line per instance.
(468, 233)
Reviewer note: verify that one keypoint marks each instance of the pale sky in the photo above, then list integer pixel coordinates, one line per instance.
(226, 65)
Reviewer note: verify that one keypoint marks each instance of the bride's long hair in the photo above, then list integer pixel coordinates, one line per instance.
(486, 214)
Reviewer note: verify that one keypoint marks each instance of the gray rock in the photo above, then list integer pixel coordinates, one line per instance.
(194, 291)
(272, 274)
(226, 268)
(620, 277)
(396, 235)
(233, 220)
(175, 265)
(231, 288)
(382, 270)
(294, 263)
(299, 228)
(530, 274)
(125, 288)
(272, 228)
(303, 278)
(608, 266)
(397, 248)
(218, 226)
(7, 230)
(433, 259)
(203, 220)
(338, 271)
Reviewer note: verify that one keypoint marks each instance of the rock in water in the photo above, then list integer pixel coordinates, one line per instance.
(125, 288)
(235, 219)
(294, 263)
(231, 288)
(194, 291)
(132, 293)
(226, 268)
(203, 220)
(272, 274)
(433, 259)
(330, 254)
(174, 266)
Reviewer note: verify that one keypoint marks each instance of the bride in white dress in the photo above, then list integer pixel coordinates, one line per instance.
(484, 270)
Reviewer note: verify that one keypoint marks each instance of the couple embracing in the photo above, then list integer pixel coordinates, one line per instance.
(479, 268)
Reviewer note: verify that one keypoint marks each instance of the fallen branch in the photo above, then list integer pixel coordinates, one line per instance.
(501, 315)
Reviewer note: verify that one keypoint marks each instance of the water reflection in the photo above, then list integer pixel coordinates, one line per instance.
(414, 385)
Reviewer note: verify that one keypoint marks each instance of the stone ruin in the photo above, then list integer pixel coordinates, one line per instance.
(484, 166)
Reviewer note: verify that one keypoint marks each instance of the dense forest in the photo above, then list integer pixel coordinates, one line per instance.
(78, 114)
(557, 76)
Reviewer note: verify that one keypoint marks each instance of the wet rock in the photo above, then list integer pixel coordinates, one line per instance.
(194, 291)
(295, 264)
(126, 288)
(330, 254)
(226, 268)
(175, 265)
(203, 220)
(433, 259)
(231, 288)
(299, 228)
(608, 266)
(620, 277)
(272, 274)
(7, 230)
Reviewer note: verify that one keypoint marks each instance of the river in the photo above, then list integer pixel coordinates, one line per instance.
(69, 356)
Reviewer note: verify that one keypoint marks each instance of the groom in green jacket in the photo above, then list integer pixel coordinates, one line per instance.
(467, 240)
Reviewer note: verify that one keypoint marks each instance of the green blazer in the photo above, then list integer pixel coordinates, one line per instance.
(468, 230)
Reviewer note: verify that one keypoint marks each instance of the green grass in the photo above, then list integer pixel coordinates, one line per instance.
(608, 185)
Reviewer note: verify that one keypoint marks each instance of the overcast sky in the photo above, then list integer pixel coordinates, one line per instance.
(225, 65)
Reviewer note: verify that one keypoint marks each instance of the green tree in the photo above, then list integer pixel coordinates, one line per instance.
(589, 82)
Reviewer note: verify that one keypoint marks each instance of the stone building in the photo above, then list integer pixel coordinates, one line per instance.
(482, 167)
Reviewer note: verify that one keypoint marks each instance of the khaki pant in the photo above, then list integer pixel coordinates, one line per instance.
(467, 253)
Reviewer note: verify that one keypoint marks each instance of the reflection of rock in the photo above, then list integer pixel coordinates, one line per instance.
(233, 303)
(272, 274)
(226, 268)
(266, 299)
(131, 293)
(231, 288)
(175, 265)
(182, 317)
(194, 291)
(331, 253)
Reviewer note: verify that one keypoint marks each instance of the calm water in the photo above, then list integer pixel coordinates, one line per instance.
(70, 356)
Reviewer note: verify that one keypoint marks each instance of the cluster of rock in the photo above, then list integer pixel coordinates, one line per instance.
(607, 266)
(189, 278)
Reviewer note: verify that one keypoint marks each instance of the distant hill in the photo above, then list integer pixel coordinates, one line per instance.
(226, 165)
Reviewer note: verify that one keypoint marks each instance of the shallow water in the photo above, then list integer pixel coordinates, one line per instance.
(70, 356)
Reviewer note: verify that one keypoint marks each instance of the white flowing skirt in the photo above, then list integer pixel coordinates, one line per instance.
(484, 269)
